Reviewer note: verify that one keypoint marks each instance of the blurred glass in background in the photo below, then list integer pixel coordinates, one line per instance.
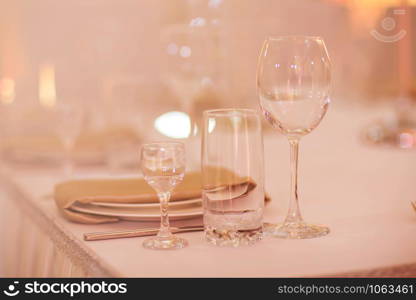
(145, 70)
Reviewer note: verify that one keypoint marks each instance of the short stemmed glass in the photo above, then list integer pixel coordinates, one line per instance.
(293, 83)
(69, 122)
(163, 167)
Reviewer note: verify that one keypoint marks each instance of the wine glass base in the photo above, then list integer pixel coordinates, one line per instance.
(165, 243)
(295, 230)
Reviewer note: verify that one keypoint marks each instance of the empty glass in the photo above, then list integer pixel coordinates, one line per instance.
(163, 167)
(232, 177)
(70, 119)
(293, 81)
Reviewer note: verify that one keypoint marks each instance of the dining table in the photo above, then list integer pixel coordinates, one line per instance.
(361, 191)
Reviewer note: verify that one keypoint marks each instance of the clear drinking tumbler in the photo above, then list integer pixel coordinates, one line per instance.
(232, 177)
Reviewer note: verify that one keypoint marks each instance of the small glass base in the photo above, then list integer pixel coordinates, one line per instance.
(295, 230)
(165, 243)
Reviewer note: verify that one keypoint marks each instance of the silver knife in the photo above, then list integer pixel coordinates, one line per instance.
(97, 236)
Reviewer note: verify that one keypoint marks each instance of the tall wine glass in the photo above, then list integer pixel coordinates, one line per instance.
(163, 167)
(293, 83)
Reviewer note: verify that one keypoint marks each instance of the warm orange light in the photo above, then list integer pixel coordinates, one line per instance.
(7, 90)
(367, 12)
(47, 90)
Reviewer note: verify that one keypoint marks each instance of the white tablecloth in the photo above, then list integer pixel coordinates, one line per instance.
(361, 192)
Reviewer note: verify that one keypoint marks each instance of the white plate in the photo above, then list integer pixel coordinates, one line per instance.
(141, 205)
(147, 213)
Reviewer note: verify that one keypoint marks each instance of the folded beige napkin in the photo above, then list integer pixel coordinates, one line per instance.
(125, 190)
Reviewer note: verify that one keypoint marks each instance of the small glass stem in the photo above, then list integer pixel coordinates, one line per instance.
(294, 215)
(164, 230)
(68, 166)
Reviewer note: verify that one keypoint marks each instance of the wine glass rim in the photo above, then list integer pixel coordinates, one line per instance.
(295, 37)
(227, 111)
(163, 144)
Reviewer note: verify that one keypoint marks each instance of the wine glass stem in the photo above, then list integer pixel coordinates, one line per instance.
(294, 215)
(164, 230)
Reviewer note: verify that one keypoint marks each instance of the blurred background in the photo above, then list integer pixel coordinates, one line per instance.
(83, 83)
(142, 70)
